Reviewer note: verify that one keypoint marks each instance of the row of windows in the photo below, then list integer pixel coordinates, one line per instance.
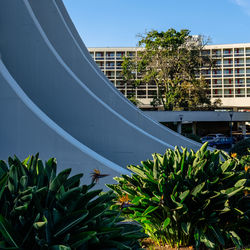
(231, 93)
(227, 52)
(226, 63)
(226, 93)
(112, 55)
(111, 64)
(230, 62)
(225, 71)
(227, 83)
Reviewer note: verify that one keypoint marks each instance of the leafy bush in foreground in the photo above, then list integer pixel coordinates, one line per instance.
(42, 210)
(241, 148)
(187, 198)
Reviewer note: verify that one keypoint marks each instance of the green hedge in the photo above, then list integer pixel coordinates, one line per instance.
(40, 209)
(185, 198)
(241, 148)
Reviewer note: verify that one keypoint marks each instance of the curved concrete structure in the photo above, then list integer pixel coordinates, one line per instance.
(64, 37)
(57, 91)
(49, 80)
(28, 130)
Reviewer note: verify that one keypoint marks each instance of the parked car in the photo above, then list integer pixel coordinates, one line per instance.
(207, 139)
(211, 137)
(221, 142)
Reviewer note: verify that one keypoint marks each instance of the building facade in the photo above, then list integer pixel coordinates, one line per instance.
(229, 80)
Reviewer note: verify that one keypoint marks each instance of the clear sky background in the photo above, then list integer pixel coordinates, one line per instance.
(115, 23)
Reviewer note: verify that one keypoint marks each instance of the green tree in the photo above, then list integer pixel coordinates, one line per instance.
(171, 60)
(129, 76)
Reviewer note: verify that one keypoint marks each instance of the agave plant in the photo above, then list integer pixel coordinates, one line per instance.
(42, 210)
(187, 198)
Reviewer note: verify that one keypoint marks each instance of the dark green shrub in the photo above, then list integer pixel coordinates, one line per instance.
(42, 210)
(193, 137)
(241, 148)
(187, 198)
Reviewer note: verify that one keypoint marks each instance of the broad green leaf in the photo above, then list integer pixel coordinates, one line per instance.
(198, 188)
(150, 209)
(7, 232)
(197, 236)
(3, 168)
(3, 182)
(70, 223)
(73, 181)
(225, 165)
(240, 183)
(217, 234)
(155, 167)
(231, 193)
(137, 170)
(59, 180)
(40, 224)
(185, 227)
(207, 241)
(183, 195)
(236, 239)
(166, 223)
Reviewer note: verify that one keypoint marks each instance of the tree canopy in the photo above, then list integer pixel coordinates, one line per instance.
(171, 60)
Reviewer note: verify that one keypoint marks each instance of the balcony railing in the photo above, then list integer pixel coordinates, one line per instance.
(227, 55)
(110, 57)
(227, 65)
(239, 85)
(238, 54)
(228, 75)
(111, 76)
(216, 54)
(240, 95)
(228, 95)
(216, 95)
(228, 85)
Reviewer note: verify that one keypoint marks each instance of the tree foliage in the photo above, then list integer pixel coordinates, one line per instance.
(171, 60)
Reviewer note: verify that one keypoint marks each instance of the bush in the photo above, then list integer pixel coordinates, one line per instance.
(241, 148)
(193, 137)
(42, 210)
(187, 198)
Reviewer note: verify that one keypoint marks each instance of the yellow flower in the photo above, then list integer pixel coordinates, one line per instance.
(124, 201)
(234, 155)
(246, 192)
(246, 168)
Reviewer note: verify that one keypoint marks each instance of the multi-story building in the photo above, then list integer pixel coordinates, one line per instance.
(229, 80)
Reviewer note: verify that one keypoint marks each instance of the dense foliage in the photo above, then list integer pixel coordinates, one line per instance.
(171, 61)
(241, 148)
(187, 198)
(42, 210)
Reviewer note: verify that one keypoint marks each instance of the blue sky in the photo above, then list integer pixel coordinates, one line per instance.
(115, 23)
